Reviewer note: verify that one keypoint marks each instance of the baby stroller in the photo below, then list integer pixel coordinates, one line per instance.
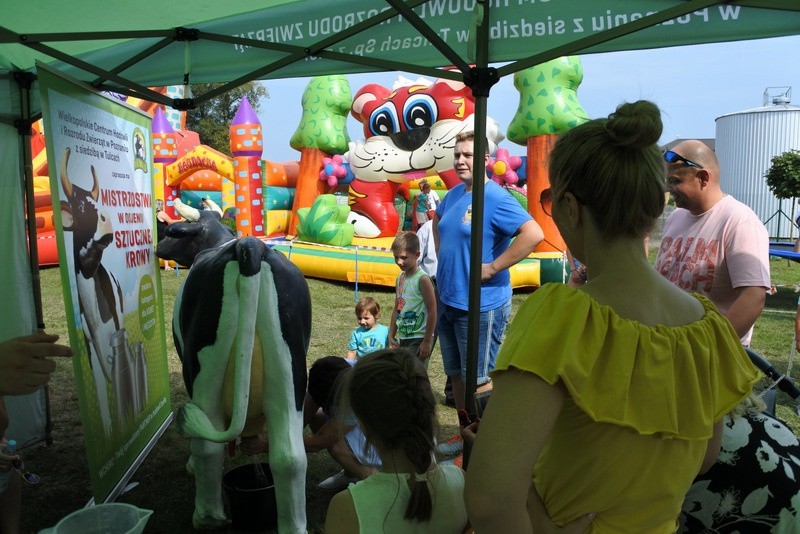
(779, 381)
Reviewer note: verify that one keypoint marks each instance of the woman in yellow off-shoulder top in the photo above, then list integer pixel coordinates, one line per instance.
(608, 398)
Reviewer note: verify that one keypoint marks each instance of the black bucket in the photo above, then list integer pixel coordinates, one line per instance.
(251, 504)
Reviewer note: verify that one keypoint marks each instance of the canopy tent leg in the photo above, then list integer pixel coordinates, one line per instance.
(24, 81)
(480, 79)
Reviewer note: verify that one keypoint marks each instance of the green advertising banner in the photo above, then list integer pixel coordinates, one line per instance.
(102, 187)
(348, 38)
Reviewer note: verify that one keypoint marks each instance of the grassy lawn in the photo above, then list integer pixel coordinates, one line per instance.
(164, 486)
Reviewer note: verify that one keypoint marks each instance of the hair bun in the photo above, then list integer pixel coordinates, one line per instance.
(635, 125)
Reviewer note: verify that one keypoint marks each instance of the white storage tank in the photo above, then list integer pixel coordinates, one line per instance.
(746, 142)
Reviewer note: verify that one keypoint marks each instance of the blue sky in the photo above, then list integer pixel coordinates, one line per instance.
(693, 85)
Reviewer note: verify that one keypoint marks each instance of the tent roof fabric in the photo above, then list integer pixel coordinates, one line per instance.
(126, 48)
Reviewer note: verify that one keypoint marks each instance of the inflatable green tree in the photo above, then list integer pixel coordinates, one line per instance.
(548, 99)
(322, 131)
(548, 105)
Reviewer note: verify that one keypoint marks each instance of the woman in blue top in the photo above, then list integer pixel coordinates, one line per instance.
(504, 219)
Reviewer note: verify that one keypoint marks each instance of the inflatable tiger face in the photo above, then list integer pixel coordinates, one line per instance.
(409, 132)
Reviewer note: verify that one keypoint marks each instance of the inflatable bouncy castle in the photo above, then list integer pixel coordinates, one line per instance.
(409, 136)
(336, 211)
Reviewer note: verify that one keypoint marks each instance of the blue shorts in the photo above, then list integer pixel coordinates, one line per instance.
(451, 328)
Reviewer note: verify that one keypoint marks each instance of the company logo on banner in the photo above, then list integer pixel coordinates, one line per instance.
(102, 192)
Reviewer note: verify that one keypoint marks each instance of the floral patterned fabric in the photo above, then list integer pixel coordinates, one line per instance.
(754, 486)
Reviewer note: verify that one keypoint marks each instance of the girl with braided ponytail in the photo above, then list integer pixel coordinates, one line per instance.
(389, 393)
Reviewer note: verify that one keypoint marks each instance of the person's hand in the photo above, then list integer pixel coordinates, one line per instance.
(6, 462)
(469, 432)
(487, 271)
(25, 363)
(577, 277)
(424, 350)
(252, 445)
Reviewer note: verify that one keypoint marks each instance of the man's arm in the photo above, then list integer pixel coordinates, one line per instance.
(429, 297)
(797, 327)
(746, 308)
(528, 238)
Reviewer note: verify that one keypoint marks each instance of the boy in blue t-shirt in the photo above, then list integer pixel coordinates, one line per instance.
(369, 336)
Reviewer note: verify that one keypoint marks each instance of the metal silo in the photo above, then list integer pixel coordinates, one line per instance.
(746, 142)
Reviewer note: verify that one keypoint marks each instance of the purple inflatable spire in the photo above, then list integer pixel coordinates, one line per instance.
(160, 123)
(245, 130)
(245, 114)
(165, 145)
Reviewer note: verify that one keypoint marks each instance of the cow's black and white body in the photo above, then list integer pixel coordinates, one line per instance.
(241, 323)
(100, 300)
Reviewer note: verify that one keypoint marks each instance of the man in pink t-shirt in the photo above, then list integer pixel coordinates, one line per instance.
(712, 243)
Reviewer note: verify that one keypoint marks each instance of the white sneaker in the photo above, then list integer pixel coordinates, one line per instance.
(337, 482)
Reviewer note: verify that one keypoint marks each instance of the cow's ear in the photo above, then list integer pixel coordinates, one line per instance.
(179, 230)
(66, 216)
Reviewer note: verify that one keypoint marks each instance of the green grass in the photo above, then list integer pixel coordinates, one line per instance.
(165, 487)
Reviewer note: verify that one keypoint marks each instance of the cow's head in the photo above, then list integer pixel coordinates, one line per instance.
(201, 231)
(91, 227)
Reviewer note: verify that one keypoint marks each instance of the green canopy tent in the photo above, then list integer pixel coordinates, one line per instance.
(126, 48)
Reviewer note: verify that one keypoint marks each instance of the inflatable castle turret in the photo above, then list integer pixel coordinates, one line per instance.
(165, 152)
(247, 146)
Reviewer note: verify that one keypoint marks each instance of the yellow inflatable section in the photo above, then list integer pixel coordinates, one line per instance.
(370, 261)
(281, 181)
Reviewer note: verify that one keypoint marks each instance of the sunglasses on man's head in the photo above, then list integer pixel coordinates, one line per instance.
(674, 157)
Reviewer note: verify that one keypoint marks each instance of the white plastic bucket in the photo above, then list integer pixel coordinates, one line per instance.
(110, 518)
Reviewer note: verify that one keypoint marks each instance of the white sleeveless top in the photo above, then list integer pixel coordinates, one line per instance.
(380, 502)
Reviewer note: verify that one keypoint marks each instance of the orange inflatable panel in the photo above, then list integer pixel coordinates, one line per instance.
(281, 174)
(48, 248)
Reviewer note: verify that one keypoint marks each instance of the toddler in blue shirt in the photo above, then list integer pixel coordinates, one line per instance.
(369, 336)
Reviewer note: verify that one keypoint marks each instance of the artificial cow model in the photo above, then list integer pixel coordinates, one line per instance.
(111, 358)
(241, 323)
(201, 231)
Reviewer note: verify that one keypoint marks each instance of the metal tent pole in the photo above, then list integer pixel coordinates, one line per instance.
(480, 79)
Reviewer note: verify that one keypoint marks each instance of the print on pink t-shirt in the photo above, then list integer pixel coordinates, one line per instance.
(696, 273)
